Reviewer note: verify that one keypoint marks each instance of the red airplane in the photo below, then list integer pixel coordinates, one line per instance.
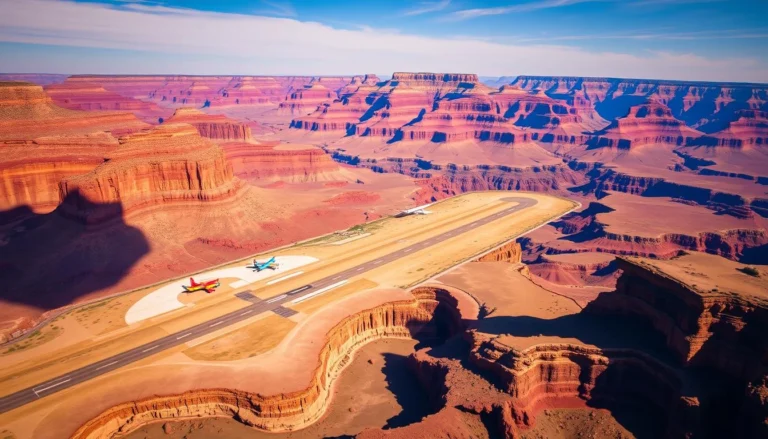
(209, 286)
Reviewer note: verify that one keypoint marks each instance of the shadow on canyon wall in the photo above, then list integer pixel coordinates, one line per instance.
(51, 260)
(601, 331)
(407, 390)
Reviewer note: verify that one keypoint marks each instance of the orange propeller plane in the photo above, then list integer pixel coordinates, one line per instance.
(208, 286)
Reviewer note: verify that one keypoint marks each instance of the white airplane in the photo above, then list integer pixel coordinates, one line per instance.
(421, 210)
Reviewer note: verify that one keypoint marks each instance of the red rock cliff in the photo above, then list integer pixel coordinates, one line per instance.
(166, 165)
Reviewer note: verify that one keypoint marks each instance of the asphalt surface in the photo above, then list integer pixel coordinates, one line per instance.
(258, 306)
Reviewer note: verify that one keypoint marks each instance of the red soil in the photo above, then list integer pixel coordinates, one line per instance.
(353, 197)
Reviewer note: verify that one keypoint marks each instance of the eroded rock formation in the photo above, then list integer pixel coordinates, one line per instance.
(214, 127)
(166, 165)
(291, 411)
(43, 144)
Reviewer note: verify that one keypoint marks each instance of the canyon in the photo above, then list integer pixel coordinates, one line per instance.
(490, 366)
(635, 302)
(699, 147)
(96, 178)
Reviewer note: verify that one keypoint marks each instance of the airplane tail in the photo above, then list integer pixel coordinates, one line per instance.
(192, 282)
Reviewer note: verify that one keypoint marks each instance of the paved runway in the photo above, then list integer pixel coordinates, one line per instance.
(274, 304)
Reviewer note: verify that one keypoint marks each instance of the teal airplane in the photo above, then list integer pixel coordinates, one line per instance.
(258, 266)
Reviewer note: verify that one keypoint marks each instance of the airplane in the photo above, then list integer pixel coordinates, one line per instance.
(421, 210)
(258, 266)
(208, 286)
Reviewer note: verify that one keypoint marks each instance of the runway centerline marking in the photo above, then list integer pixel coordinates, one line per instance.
(275, 299)
(96, 369)
(107, 365)
(52, 385)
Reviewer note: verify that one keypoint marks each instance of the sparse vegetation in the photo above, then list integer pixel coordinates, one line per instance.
(36, 338)
(750, 271)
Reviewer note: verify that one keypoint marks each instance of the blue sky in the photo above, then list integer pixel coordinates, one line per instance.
(719, 40)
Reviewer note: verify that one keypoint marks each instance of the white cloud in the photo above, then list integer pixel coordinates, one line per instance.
(722, 34)
(427, 7)
(466, 14)
(280, 9)
(219, 43)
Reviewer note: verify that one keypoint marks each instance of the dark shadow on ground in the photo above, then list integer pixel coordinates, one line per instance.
(406, 388)
(51, 260)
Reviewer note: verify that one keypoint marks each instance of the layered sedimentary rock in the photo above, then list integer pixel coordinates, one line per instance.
(509, 252)
(259, 163)
(306, 99)
(80, 95)
(214, 127)
(603, 357)
(166, 165)
(709, 323)
(210, 91)
(43, 144)
(441, 181)
(749, 130)
(650, 123)
(290, 411)
(440, 108)
(595, 269)
(707, 107)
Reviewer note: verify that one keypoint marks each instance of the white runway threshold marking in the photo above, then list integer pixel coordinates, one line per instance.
(284, 278)
(319, 292)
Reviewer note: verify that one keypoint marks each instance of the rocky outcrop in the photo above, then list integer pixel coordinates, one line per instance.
(254, 162)
(291, 411)
(748, 131)
(509, 252)
(650, 123)
(442, 108)
(43, 143)
(306, 99)
(166, 165)
(213, 126)
(715, 329)
(604, 180)
(707, 107)
(210, 91)
(80, 95)
(606, 377)
(600, 273)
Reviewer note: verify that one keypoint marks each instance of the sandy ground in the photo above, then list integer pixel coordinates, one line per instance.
(376, 390)
(502, 287)
(631, 217)
(266, 372)
(710, 274)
